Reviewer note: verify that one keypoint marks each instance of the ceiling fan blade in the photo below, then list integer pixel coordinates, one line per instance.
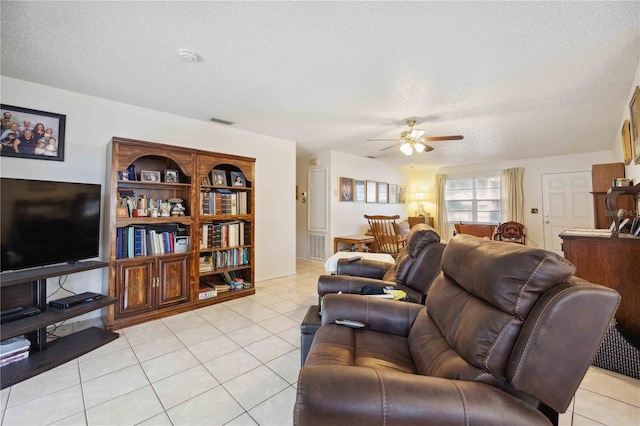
(392, 146)
(427, 148)
(444, 138)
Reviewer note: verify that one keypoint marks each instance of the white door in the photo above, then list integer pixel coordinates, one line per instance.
(566, 203)
(318, 225)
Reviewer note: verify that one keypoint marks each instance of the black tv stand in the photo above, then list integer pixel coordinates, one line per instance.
(28, 287)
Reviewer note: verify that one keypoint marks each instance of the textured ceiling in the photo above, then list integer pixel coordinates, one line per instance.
(517, 79)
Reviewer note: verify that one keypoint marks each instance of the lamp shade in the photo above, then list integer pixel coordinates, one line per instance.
(420, 196)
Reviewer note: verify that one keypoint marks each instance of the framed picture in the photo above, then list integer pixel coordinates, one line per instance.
(626, 143)
(237, 179)
(634, 117)
(401, 194)
(359, 190)
(393, 194)
(171, 176)
(129, 174)
(383, 192)
(205, 180)
(371, 191)
(29, 133)
(218, 177)
(346, 189)
(149, 176)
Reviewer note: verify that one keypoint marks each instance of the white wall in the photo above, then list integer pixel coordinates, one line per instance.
(92, 122)
(346, 218)
(632, 171)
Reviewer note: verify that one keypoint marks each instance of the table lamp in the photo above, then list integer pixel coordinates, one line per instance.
(420, 197)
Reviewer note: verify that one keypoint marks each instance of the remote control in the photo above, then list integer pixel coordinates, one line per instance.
(354, 258)
(350, 323)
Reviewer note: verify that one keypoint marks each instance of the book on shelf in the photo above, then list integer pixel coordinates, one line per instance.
(149, 240)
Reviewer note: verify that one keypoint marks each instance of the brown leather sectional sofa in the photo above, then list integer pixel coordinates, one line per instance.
(506, 336)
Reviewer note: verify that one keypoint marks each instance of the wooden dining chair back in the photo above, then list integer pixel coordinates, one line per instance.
(384, 234)
(510, 231)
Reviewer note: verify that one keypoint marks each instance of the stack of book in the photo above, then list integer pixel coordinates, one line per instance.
(223, 234)
(14, 349)
(222, 202)
(133, 241)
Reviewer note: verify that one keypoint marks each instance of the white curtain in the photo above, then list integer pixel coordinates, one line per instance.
(441, 209)
(512, 195)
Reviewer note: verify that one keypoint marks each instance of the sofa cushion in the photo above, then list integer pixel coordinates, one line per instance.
(507, 276)
(480, 301)
(401, 228)
(420, 237)
(340, 345)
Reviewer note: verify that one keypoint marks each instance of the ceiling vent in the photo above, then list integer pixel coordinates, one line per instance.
(221, 121)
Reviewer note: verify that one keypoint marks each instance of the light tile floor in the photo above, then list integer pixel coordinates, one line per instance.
(234, 363)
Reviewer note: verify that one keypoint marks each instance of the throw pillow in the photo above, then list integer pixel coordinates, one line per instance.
(401, 229)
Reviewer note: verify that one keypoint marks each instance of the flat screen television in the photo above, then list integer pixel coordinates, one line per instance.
(47, 222)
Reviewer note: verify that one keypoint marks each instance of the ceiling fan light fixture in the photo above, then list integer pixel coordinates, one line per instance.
(406, 148)
(417, 133)
(419, 147)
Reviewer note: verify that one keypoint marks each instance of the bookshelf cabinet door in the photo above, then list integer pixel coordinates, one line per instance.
(173, 276)
(135, 287)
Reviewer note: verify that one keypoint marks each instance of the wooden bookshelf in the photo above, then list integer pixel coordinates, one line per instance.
(149, 286)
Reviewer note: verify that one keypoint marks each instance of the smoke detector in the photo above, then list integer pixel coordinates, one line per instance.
(187, 55)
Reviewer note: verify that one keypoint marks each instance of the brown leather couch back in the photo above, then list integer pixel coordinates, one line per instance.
(418, 263)
(480, 308)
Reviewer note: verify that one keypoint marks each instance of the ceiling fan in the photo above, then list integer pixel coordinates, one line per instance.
(414, 139)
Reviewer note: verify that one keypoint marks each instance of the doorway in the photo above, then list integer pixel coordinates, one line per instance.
(566, 203)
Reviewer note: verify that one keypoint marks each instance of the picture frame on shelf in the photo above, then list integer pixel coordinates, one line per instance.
(634, 118)
(393, 194)
(205, 180)
(346, 189)
(171, 176)
(129, 174)
(626, 143)
(218, 177)
(383, 193)
(371, 191)
(45, 144)
(237, 179)
(149, 176)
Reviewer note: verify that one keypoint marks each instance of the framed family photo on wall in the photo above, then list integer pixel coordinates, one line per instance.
(29, 133)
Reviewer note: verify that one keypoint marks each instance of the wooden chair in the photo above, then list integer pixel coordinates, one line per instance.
(512, 232)
(384, 234)
(475, 229)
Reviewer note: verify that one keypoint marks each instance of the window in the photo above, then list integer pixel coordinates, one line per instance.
(473, 199)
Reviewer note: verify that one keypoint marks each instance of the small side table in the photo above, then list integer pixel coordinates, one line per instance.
(359, 240)
(420, 219)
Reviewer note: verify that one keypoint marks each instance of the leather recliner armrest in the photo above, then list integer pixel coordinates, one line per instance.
(346, 284)
(334, 395)
(374, 312)
(363, 268)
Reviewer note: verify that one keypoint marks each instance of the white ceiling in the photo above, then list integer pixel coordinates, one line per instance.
(517, 79)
